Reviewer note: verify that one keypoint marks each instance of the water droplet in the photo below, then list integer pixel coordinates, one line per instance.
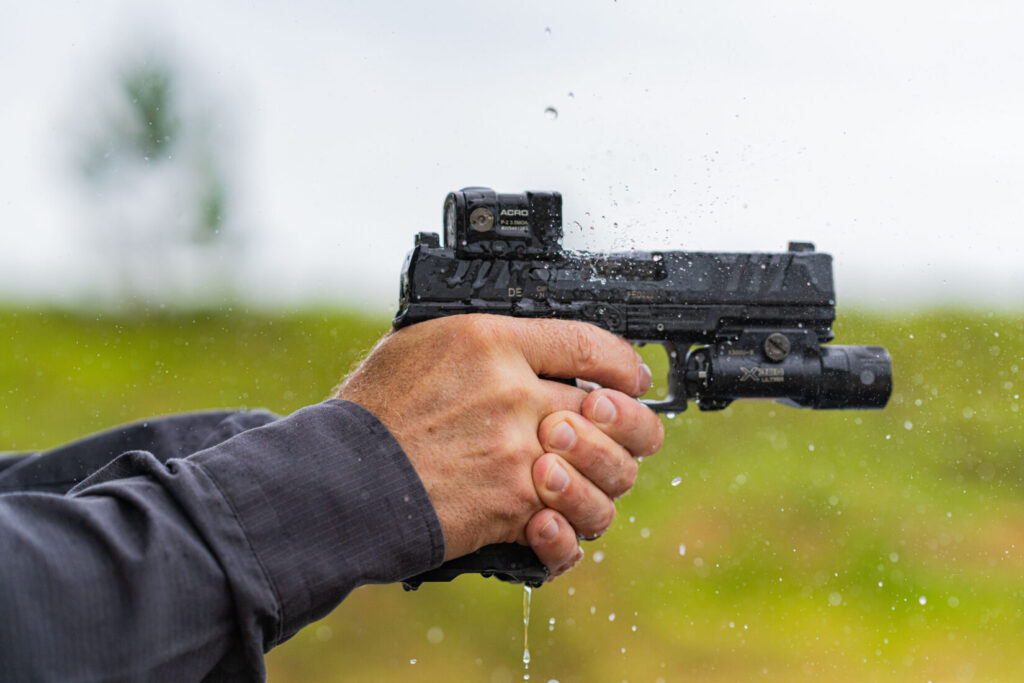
(551, 113)
(922, 600)
(682, 549)
(676, 481)
(435, 635)
(551, 624)
(412, 661)
(611, 617)
(599, 556)
(547, 30)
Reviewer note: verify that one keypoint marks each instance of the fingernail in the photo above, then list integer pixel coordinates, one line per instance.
(562, 437)
(550, 530)
(643, 375)
(604, 411)
(557, 480)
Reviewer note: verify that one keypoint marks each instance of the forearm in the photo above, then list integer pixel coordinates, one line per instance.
(175, 569)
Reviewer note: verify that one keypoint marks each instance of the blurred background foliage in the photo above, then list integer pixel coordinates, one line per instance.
(762, 542)
(151, 158)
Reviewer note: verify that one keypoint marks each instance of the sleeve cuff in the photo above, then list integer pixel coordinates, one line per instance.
(324, 500)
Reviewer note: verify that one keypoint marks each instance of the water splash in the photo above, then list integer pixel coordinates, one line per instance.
(527, 597)
(551, 113)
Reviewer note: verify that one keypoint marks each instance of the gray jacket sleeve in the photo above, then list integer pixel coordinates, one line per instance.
(177, 564)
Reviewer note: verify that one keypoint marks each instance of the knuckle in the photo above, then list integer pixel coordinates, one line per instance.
(514, 393)
(475, 332)
(647, 433)
(608, 519)
(523, 448)
(629, 475)
(524, 500)
(623, 479)
(477, 326)
(586, 456)
(585, 347)
(602, 521)
(659, 437)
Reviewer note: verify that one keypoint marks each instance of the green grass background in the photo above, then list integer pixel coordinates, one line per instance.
(797, 545)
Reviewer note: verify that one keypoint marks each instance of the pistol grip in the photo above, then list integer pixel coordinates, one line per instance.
(507, 561)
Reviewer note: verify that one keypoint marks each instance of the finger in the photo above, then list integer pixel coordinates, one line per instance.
(559, 396)
(627, 421)
(562, 396)
(561, 487)
(570, 349)
(554, 540)
(597, 456)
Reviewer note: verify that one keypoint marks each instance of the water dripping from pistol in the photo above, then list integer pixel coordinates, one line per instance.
(527, 596)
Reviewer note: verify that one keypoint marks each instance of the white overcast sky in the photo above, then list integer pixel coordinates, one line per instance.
(889, 133)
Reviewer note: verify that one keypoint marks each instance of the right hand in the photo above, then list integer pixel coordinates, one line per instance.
(464, 397)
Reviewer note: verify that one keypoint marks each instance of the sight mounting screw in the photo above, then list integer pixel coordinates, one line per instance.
(481, 219)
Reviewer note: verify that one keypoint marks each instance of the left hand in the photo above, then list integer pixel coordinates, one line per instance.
(589, 461)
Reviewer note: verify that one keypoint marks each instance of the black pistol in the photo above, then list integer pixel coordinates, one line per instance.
(735, 325)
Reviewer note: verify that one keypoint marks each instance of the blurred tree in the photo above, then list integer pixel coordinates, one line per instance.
(152, 160)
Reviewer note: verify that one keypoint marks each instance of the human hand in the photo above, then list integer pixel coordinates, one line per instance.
(464, 397)
(589, 461)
